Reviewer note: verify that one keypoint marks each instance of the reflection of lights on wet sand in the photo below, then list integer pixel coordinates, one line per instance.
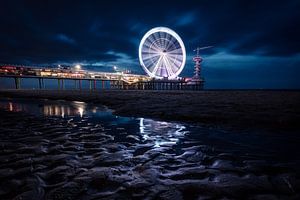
(162, 133)
(80, 107)
(10, 106)
(62, 111)
(142, 127)
(65, 110)
(57, 110)
(80, 111)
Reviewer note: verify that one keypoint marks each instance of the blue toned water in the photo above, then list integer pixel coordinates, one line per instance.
(60, 149)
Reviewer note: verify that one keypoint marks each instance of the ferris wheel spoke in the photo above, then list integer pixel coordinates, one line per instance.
(172, 41)
(161, 43)
(174, 61)
(155, 46)
(157, 65)
(150, 49)
(172, 48)
(151, 38)
(150, 52)
(165, 66)
(147, 48)
(151, 41)
(148, 63)
(150, 56)
(175, 51)
(177, 63)
(165, 44)
(174, 45)
(174, 64)
(169, 43)
(151, 46)
(153, 60)
(169, 38)
(176, 56)
(154, 39)
(164, 40)
(168, 66)
(157, 37)
(155, 49)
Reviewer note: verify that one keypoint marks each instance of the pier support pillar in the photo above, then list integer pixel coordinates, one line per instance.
(58, 83)
(80, 84)
(43, 84)
(40, 83)
(18, 82)
(95, 83)
(75, 81)
(90, 82)
(62, 84)
(112, 84)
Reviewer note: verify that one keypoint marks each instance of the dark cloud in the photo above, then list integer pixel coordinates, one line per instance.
(64, 39)
(85, 31)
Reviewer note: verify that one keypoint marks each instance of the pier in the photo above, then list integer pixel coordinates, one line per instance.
(96, 80)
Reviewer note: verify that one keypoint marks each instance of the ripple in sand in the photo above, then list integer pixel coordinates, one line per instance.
(108, 157)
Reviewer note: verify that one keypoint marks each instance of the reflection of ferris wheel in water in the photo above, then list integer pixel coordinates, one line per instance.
(162, 53)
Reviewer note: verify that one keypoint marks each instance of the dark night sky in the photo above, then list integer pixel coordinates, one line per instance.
(256, 43)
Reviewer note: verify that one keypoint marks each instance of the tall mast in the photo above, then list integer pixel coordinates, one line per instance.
(197, 59)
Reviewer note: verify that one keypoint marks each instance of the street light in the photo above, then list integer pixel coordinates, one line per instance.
(77, 67)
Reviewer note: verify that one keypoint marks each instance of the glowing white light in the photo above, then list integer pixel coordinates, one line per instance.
(80, 107)
(10, 106)
(77, 67)
(162, 53)
(80, 111)
(62, 111)
(142, 127)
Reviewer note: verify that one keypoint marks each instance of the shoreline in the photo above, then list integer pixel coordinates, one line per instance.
(233, 109)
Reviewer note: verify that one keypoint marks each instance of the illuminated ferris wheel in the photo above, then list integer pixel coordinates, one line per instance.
(162, 53)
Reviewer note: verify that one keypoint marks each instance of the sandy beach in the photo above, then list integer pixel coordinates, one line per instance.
(102, 156)
(231, 109)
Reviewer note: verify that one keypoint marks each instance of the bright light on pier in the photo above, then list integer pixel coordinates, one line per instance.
(77, 67)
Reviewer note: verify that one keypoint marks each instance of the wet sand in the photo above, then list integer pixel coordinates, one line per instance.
(78, 158)
(231, 109)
